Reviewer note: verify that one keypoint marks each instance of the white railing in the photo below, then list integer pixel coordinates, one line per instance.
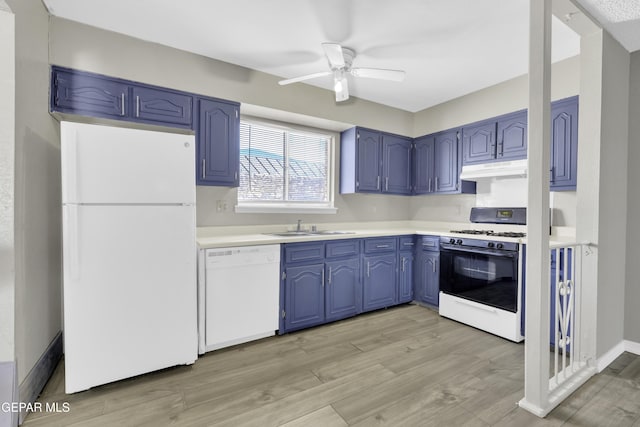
(571, 362)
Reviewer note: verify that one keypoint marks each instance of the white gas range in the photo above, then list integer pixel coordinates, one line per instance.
(481, 274)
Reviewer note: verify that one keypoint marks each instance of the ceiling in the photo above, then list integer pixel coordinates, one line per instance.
(447, 48)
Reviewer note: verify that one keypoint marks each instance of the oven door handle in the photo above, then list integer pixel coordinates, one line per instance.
(492, 252)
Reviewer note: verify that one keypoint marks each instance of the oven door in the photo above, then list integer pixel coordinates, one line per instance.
(486, 276)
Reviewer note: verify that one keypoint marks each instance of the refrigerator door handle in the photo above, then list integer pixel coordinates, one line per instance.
(72, 241)
(71, 166)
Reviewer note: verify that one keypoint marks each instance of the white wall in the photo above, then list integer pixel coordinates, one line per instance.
(37, 191)
(632, 290)
(7, 142)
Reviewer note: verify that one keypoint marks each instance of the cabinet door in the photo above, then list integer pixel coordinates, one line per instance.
(405, 276)
(564, 145)
(79, 93)
(446, 162)
(427, 277)
(218, 143)
(304, 296)
(479, 143)
(368, 162)
(379, 281)
(512, 137)
(423, 165)
(396, 164)
(343, 293)
(161, 106)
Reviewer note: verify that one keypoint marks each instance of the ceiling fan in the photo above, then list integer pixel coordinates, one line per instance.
(340, 60)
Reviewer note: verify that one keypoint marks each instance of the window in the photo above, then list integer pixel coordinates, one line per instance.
(284, 169)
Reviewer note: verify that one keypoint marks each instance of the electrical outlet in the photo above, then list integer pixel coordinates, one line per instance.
(221, 205)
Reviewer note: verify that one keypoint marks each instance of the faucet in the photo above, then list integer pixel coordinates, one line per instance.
(298, 227)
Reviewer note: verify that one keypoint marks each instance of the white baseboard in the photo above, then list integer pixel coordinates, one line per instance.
(611, 355)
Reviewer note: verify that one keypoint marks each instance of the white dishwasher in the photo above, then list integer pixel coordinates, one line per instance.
(238, 293)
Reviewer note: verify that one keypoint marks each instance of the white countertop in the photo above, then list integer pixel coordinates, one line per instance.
(219, 237)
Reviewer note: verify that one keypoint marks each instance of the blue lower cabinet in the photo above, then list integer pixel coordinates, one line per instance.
(343, 292)
(304, 296)
(426, 284)
(427, 277)
(379, 281)
(405, 276)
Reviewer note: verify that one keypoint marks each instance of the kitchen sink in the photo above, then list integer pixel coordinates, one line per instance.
(291, 233)
(329, 232)
(309, 233)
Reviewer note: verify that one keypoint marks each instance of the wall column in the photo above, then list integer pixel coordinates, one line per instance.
(537, 277)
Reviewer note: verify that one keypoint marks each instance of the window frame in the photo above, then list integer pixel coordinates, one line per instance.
(281, 206)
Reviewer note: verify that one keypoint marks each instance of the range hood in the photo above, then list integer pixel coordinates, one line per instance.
(513, 168)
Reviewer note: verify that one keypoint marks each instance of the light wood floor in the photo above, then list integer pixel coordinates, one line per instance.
(404, 366)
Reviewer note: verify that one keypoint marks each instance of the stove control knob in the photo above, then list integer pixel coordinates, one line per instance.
(500, 246)
(452, 241)
(491, 244)
(459, 241)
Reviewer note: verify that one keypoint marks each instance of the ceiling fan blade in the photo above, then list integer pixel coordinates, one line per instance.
(379, 73)
(334, 54)
(302, 78)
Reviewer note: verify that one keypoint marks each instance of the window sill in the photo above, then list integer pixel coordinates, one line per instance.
(257, 208)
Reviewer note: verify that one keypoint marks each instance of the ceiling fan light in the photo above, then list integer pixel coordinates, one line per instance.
(340, 85)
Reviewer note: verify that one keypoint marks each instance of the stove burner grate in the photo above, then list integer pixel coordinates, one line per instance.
(513, 234)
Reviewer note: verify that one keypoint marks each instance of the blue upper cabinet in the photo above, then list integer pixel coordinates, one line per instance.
(479, 143)
(88, 94)
(374, 162)
(162, 106)
(497, 139)
(368, 161)
(218, 139)
(396, 164)
(423, 164)
(95, 95)
(447, 176)
(564, 144)
(436, 165)
(512, 136)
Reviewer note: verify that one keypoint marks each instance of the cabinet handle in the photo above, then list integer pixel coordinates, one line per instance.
(137, 106)
(122, 105)
(429, 185)
(403, 261)
(235, 176)
(382, 246)
(378, 182)
(436, 189)
(386, 183)
(329, 279)
(501, 148)
(204, 164)
(551, 173)
(368, 269)
(323, 277)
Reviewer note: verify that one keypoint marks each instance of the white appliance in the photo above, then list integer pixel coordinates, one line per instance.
(130, 292)
(238, 295)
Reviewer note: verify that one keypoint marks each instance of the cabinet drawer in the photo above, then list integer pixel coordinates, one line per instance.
(342, 248)
(406, 243)
(299, 252)
(430, 243)
(380, 244)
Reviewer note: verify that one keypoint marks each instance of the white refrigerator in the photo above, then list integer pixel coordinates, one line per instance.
(129, 252)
